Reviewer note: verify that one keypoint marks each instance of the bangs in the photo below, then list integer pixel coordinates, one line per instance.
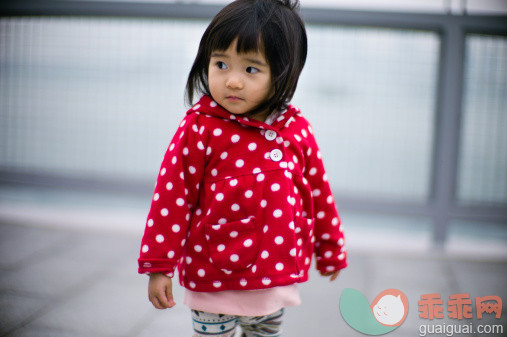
(246, 28)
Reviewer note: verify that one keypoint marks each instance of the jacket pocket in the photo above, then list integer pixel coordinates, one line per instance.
(233, 246)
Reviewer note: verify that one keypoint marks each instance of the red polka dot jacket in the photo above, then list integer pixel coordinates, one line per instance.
(240, 204)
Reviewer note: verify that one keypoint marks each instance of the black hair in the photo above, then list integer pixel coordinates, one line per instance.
(272, 27)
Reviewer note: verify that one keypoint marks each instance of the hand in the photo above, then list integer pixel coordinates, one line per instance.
(333, 274)
(160, 291)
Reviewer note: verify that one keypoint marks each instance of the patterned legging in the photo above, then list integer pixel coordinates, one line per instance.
(219, 325)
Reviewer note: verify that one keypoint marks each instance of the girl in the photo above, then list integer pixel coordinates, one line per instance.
(242, 199)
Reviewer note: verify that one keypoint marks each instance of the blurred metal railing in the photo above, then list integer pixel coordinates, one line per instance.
(442, 205)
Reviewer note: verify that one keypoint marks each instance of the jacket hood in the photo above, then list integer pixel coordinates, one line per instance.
(208, 106)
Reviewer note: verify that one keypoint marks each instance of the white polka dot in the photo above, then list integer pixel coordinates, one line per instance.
(292, 252)
(176, 228)
(201, 272)
(340, 242)
(169, 186)
(223, 155)
(291, 225)
(313, 171)
(233, 234)
(150, 223)
(316, 192)
(321, 215)
(219, 197)
(248, 194)
(235, 207)
(300, 242)
(197, 106)
(329, 199)
(213, 186)
(188, 259)
(200, 145)
(252, 146)
(159, 238)
(234, 258)
(192, 170)
(180, 202)
(185, 151)
(275, 187)
(198, 248)
(254, 268)
(248, 243)
(233, 182)
(145, 248)
(328, 254)
(326, 236)
(214, 172)
(277, 213)
(263, 203)
(221, 247)
(260, 177)
(240, 163)
(217, 284)
(217, 132)
(256, 170)
(164, 211)
(265, 254)
(163, 171)
(297, 138)
(334, 222)
(266, 281)
(341, 256)
(192, 284)
(213, 104)
(279, 240)
(235, 138)
(304, 133)
(156, 196)
(265, 229)
(279, 266)
(170, 254)
(243, 282)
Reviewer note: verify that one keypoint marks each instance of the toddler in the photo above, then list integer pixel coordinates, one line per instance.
(242, 200)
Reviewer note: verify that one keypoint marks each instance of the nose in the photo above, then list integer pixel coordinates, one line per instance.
(234, 82)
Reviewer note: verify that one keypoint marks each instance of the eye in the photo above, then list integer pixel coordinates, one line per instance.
(252, 70)
(221, 65)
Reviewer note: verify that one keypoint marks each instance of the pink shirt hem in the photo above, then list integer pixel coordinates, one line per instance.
(243, 302)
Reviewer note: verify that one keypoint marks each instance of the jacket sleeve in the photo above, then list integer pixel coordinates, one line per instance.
(329, 239)
(176, 193)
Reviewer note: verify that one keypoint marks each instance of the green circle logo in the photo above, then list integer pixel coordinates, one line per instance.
(387, 311)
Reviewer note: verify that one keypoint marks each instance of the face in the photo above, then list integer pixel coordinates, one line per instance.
(239, 82)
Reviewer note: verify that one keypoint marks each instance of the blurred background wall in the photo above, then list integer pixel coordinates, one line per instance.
(408, 100)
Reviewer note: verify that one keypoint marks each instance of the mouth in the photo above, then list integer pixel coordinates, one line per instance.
(234, 98)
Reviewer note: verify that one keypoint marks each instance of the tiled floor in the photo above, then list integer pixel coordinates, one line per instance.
(57, 282)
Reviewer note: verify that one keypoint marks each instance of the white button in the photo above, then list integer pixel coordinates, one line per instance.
(270, 135)
(276, 155)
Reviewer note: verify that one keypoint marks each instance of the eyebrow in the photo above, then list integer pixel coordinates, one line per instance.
(251, 60)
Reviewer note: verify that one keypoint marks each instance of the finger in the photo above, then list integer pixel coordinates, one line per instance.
(169, 296)
(162, 299)
(334, 276)
(156, 303)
